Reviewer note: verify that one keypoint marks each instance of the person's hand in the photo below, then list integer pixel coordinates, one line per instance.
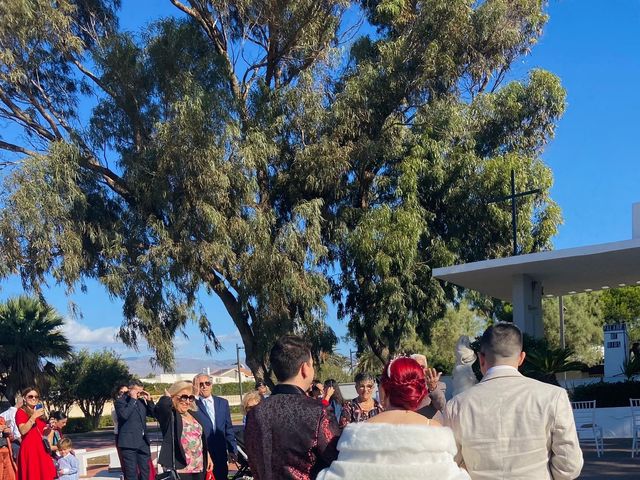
(432, 377)
(7, 431)
(328, 393)
(37, 413)
(144, 395)
(166, 393)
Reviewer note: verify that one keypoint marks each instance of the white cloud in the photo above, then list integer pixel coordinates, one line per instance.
(80, 334)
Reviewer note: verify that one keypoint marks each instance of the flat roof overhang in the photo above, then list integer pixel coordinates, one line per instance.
(561, 272)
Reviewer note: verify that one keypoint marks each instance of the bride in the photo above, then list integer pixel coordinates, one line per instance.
(397, 443)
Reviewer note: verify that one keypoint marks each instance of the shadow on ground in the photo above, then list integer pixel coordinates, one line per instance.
(615, 463)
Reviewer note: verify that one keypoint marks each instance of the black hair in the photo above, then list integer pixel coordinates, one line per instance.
(337, 394)
(363, 377)
(134, 382)
(287, 356)
(57, 415)
(503, 339)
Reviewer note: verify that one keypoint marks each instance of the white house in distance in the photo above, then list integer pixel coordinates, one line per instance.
(224, 375)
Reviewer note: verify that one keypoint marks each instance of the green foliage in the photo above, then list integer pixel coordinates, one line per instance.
(630, 367)
(106, 421)
(607, 394)
(544, 363)
(196, 190)
(428, 155)
(583, 320)
(368, 362)
(224, 389)
(90, 378)
(334, 366)
(78, 425)
(256, 181)
(445, 333)
(30, 338)
(623, 305)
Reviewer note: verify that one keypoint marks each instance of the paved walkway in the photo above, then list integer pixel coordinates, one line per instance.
(616, 463)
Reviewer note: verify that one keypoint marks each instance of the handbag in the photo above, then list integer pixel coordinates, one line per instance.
(45, 440)
(210, 476)
(171, 474)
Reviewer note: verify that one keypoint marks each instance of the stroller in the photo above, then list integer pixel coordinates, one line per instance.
(244, 472)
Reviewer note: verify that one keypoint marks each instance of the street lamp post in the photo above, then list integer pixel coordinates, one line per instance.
(351, 352)
(238, 348)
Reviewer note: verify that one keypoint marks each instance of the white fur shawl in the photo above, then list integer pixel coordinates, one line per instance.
(379, 451)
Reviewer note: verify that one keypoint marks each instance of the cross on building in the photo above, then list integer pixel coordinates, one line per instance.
(514, 211)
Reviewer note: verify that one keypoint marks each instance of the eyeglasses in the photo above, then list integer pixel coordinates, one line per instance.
(202, 384)
(186, 398)
(369, 386)
(33, 397)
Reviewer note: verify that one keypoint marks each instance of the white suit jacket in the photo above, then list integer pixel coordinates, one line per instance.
(509, 426)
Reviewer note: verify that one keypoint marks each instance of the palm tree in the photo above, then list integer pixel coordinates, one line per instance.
(30, 336)
(369, 362)
(542, 363)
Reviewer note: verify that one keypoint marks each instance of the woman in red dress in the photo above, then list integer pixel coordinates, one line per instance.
(34, 463)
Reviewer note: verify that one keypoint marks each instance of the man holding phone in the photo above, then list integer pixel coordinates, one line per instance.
(132, 410)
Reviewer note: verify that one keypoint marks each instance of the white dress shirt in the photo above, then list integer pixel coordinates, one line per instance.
(10, 417)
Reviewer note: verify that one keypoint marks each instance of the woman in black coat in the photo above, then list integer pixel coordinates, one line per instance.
(183, 437)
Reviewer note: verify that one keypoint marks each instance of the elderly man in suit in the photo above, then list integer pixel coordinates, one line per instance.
(132, 410)
(435, 401)
(221, 440)
(511, 426)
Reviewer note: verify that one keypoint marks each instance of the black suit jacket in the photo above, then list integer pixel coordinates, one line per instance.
(132, 422)
(165, 412)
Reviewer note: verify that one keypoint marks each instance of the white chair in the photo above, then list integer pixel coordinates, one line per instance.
(584, 414)
(635, 425)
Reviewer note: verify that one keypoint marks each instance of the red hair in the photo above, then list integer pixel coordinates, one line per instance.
(404, 383)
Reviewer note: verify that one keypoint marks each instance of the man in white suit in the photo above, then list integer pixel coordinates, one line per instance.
(509, 426)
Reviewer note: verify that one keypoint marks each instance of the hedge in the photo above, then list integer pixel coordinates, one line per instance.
(607, 394)
(224, 389)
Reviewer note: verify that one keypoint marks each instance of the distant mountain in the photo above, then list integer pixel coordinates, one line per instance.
(141, 366)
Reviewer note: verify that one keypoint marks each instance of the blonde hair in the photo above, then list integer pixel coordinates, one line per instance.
(65, 444)
(253, 395)
(179, 386)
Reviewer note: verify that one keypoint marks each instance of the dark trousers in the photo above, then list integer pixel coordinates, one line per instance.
(193, 476)
(136, 464)
(220, 466)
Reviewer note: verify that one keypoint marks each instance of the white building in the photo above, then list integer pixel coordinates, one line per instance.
(225, 375)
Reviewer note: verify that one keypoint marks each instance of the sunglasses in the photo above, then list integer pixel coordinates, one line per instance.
(186, 398)
(202, 384)
(33, 397)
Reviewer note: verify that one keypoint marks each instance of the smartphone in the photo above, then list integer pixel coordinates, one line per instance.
(39, 406)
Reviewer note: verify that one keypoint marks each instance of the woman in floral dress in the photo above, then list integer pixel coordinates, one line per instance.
(184, 444)
(364, 406)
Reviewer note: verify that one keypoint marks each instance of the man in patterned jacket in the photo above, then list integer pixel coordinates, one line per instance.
(290, 435)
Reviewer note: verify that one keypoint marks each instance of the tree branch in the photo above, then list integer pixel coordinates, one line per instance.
(15, 148)
(29, 122)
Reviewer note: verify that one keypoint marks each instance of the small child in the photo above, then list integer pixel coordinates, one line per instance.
(67, 463)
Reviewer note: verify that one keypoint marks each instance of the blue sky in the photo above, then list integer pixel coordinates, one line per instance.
(593, 47)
